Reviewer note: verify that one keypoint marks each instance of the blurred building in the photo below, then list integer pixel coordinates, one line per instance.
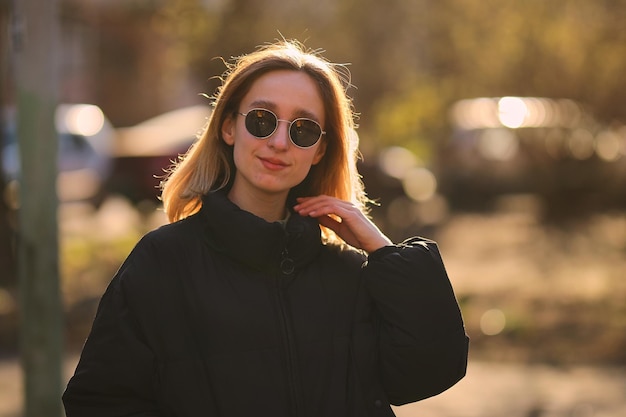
(115, 56)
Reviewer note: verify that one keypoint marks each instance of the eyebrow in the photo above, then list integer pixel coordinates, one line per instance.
(271, 106)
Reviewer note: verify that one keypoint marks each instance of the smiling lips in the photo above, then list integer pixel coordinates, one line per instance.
(273, 164)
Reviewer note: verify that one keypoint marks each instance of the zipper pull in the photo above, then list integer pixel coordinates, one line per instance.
(287, 265)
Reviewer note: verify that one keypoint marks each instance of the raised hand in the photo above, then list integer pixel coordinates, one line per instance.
(352, 225)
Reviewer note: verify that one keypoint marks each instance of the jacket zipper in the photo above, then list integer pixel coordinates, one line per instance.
(286, 269)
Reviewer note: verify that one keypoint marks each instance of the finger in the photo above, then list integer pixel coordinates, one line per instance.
(324, 209)
(318, 198)
(308, 202)
(324, 205)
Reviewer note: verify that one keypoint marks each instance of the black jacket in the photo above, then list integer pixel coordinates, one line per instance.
(224, 314)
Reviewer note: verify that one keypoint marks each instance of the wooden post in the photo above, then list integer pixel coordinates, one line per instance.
(8, 277)
(37, 73)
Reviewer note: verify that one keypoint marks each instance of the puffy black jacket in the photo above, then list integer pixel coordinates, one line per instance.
(224, 314)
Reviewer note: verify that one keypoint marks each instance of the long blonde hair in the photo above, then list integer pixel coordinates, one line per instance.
(209, 166)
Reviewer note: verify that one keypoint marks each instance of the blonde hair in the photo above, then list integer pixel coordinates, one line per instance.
(209, 166)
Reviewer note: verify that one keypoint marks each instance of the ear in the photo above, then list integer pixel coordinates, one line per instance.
(319, 153)
(228, 130)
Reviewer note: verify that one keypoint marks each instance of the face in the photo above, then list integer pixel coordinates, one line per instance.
(274, 165)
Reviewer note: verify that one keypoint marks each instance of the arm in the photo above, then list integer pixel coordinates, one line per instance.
(116, 373)
(423, 347)
(422, 342)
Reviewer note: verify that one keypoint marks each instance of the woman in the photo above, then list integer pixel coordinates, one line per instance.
(271, 293)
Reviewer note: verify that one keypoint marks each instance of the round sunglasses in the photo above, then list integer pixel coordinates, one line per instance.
(303, 132)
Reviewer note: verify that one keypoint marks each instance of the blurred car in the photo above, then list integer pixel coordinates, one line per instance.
(85, 137)
(552, 148)
(142, 153)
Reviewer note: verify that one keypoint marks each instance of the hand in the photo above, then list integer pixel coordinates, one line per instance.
(353, 227)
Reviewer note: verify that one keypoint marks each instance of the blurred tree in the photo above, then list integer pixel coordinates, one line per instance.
(574, 49)
(190, 24)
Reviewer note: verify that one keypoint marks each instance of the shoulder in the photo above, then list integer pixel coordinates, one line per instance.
(164, 248)
(180, 228)
(159, 256)
(173, 235)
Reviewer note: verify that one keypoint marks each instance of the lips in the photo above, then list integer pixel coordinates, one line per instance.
(273, 164)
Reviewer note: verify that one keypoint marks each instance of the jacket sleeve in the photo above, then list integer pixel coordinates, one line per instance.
(116, 374)
(423, 347)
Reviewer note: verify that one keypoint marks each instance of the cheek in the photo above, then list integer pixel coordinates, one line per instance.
(239, 154)
(306, 165)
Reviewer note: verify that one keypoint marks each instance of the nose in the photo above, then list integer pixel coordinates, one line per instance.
(280, 138)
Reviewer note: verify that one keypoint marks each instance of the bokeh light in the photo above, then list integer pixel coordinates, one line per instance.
(498, 144)
(608, 146)
(581, 144)
(492, 322)
(83, 119)
(420, 184)
(512, 111)
(396, 161)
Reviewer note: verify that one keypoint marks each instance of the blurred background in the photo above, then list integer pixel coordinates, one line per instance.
(496, 128)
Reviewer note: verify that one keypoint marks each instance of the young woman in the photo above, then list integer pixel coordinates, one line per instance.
(271, 293)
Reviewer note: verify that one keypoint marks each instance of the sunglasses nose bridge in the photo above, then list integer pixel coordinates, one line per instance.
(280, 137)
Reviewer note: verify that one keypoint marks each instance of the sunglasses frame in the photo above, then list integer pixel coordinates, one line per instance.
(291, 122)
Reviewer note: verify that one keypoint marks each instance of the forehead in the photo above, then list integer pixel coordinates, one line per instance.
(290, 93)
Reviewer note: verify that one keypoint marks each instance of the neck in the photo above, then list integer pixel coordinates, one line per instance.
(270, 208)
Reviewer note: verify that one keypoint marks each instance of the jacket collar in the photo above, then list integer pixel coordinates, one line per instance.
(251, 240)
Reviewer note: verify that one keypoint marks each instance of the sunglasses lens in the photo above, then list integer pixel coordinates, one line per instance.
(260, 123)
(305, 132)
